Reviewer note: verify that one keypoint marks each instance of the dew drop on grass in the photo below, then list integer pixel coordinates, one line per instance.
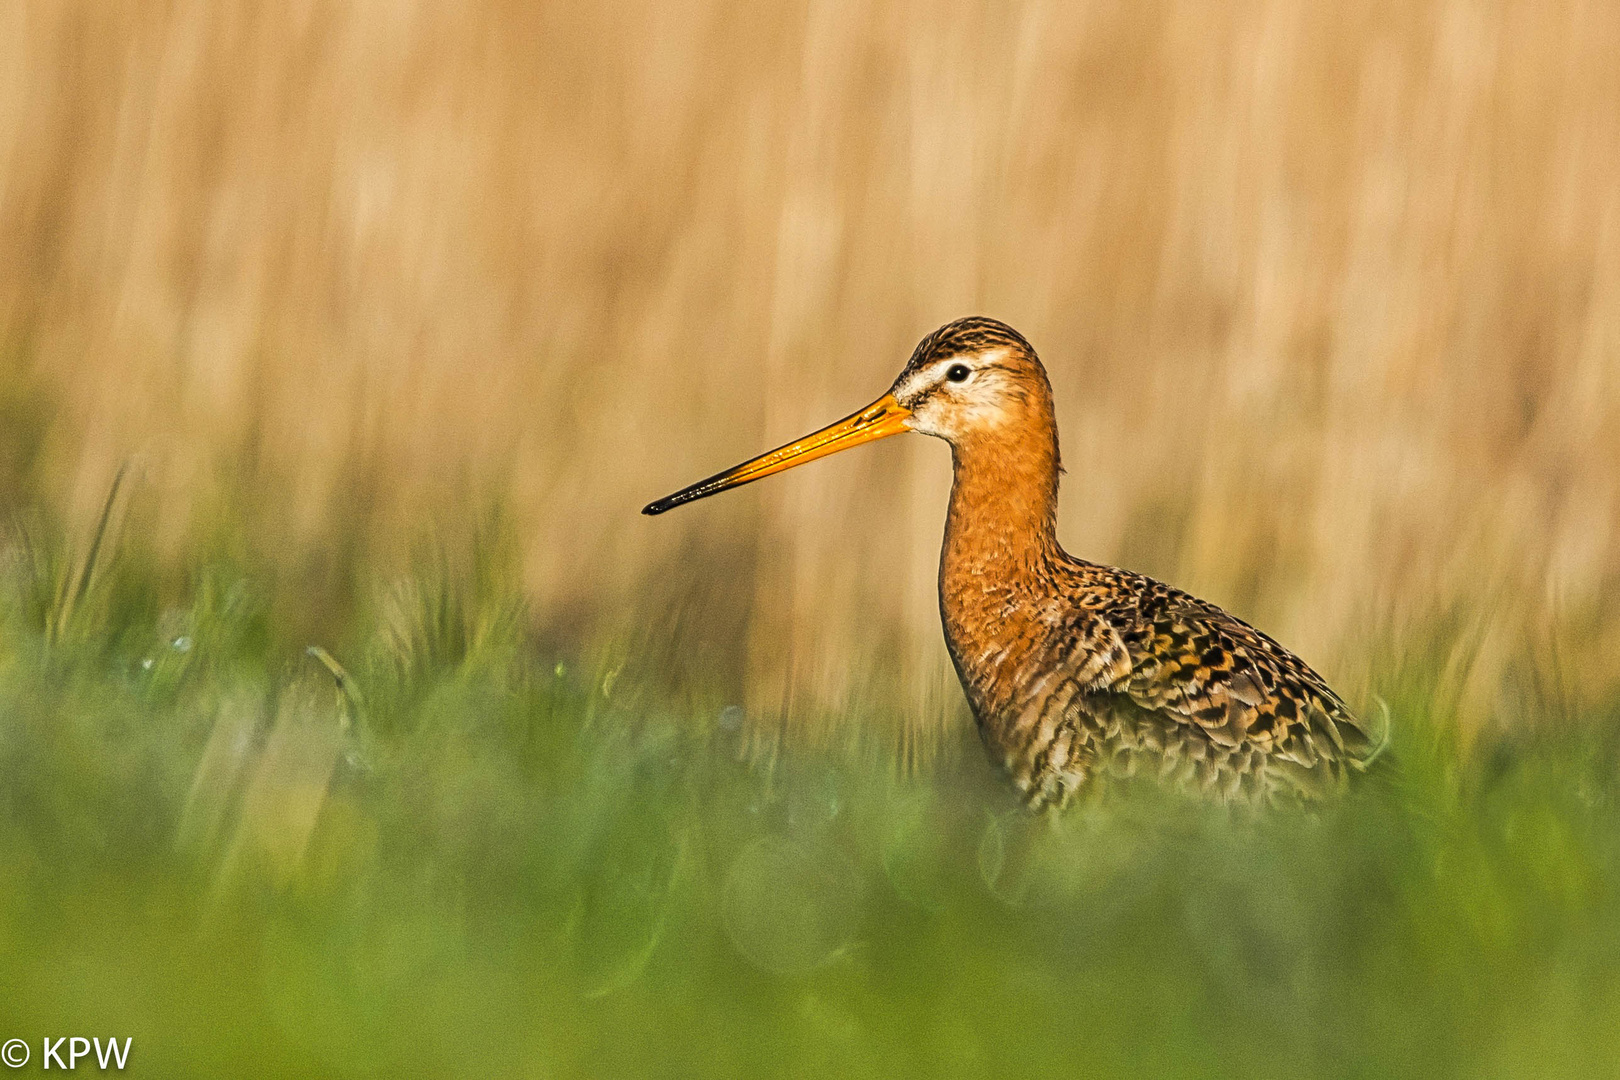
(790, 907)
(1009, 856)
(915, 858)
(624, 912)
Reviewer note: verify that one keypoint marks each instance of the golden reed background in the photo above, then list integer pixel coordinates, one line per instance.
(1330, 293)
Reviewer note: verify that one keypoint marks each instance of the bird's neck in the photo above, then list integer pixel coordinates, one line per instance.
(996, 576)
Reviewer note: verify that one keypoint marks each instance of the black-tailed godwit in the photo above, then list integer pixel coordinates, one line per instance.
(1073, 669)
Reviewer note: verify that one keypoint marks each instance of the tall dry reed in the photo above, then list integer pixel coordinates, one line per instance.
(1330, 294)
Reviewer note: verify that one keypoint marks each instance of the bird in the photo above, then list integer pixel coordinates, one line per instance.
(1078, 672)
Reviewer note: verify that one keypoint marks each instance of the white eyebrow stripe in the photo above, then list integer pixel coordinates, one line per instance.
(934, 372)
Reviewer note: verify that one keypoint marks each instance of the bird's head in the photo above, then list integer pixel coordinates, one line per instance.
(970, 380)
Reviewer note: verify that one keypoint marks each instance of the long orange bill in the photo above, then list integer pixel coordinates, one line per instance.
(882, 418)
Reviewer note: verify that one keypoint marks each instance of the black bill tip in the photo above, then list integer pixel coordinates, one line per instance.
(702, 489)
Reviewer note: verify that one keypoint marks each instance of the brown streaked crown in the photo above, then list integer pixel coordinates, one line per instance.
(974, 334)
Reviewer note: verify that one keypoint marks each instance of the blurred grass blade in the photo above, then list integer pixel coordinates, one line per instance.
(76, 587)
(340, 675)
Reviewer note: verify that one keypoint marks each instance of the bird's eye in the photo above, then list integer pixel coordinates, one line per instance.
(957, 373)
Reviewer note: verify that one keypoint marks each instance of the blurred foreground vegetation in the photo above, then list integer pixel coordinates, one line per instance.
(445, 847)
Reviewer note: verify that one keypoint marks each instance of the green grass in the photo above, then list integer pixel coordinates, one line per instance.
(444, 849)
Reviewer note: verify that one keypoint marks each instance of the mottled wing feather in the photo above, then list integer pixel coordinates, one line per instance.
(1211, 696)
